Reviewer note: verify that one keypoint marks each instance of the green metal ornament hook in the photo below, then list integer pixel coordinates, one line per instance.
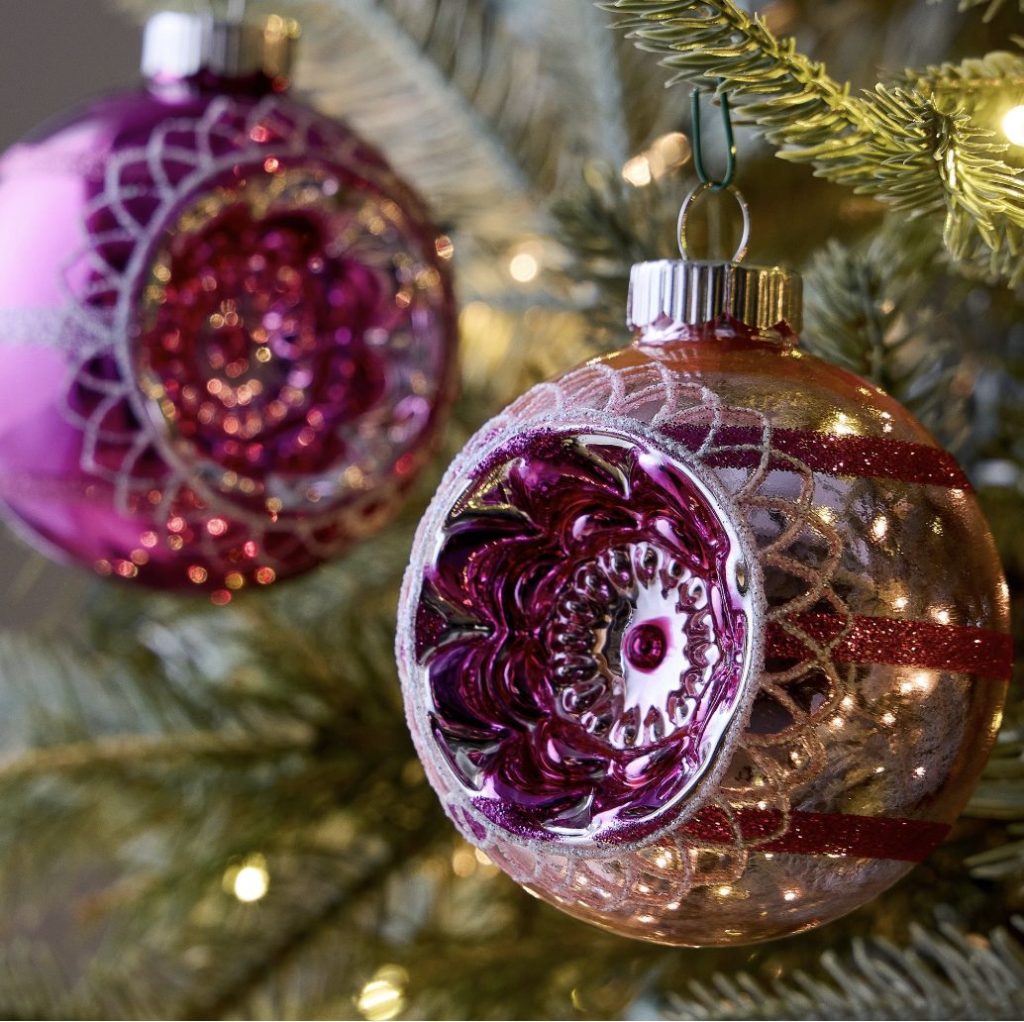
(698, 147)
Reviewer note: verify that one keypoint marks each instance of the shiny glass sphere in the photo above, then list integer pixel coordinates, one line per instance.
(228, 336)
(704, 642)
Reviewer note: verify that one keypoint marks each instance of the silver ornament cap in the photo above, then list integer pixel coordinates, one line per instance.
(673, 292)
(668, 294)
(179, 44)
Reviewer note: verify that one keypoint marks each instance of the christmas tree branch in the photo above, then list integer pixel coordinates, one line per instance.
(994, 74)
(945, 974)
(120, 750)
(1000, 793)
(869, 309)
(992, 7)
(916, 148)
(261, 970)
(444, 65)
(34, 984)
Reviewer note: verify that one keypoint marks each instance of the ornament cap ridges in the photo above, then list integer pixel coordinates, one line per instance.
(670, 292)
(179, 44)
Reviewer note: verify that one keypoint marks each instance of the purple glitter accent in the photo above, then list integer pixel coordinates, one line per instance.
(584, 637)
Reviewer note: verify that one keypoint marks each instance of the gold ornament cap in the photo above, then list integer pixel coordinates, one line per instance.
(179, 44)
(674, 292)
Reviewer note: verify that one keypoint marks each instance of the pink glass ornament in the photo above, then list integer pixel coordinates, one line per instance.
(227, 330)
(704, 642)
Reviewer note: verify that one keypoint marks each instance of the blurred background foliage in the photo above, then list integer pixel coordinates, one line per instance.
(217, 812)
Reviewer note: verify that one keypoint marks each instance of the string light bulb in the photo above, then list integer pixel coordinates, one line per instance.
(523, 267)
(665, 154)
(383, 997)
(250, 880)
(1013, 124)
(637, 171)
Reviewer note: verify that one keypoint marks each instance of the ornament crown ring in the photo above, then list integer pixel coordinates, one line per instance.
(687, 207)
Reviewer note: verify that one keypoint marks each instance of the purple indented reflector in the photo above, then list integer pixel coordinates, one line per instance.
(585, 632)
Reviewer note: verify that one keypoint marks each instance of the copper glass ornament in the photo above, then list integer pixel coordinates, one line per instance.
(704, 642)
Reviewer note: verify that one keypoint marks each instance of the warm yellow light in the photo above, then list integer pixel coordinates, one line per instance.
(667, 153)
(1013, 125)
(920, 681)
(250, 881)
(879, 527)
(463, 862)
(664, 155)
(383, 997)
(843, 425)
(637, 171)
(897, 595)
(476, 317)
(523, 267)
(380, 1000)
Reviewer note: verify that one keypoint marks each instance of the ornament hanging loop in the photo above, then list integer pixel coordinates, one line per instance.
(708, 183)
(698, 144)
(687, 207)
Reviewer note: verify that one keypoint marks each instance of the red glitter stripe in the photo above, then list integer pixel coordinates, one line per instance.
(860, 456)
(866, 837)
(884, 640)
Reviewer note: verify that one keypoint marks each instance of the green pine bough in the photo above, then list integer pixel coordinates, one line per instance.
(914, 143)
(992, 7)
(941, 974)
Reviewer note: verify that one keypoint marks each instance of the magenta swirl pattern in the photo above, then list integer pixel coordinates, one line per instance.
(584, 626)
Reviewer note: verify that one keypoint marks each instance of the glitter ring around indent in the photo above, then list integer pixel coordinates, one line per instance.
(584, 636)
